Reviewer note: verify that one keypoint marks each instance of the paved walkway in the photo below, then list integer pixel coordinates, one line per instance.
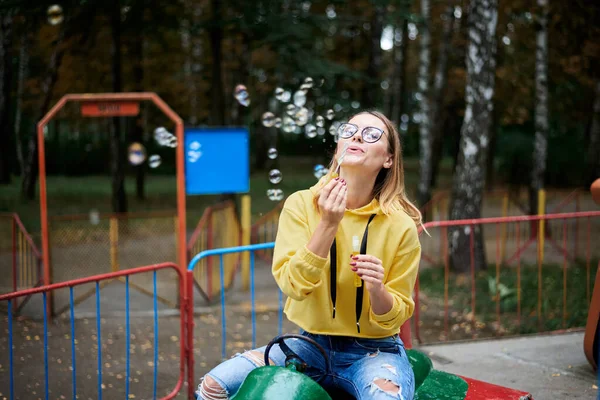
(550, 367)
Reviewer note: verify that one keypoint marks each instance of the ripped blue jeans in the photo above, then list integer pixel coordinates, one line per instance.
(374, 369)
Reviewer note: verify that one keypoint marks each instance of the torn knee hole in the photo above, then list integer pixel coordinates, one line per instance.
(257, 358)
(386, 385)
(210, 390)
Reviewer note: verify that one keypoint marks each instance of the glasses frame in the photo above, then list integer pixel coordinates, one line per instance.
(362, 133)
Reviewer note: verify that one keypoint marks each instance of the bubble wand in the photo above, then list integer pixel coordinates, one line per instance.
(337, 170)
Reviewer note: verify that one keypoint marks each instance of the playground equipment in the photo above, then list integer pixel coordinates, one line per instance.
(289, 383)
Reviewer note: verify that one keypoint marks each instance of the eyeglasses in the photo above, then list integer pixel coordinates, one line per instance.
(370, 134)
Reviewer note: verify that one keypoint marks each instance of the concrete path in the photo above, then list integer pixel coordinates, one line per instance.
(550, 367)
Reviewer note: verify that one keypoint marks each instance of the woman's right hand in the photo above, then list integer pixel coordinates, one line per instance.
(332, 201)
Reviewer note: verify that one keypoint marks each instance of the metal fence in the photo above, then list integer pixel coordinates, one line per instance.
(84, 245)
(20, 258)
(537, 276)
(93, 350)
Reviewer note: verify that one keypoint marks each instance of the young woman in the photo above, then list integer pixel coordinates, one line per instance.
(347, 254)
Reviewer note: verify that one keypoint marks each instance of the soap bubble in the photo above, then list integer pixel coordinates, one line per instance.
(154, 161)
(330, 114)
(334, 127)
(279, 93)
(288, 124)
(405, 118)
(320, 171)
(162, 136)
(320, 131)
(307, 84)
(55, 14)
(277, 123)
(311, 131)
(272, 153)
(286, 96)
(171, 141)
(268, 119)
(291, 110)
(320, 121)
(301, 116)
(300, 98)
(136, 153)
(241, 95)
(275, 194)
(275, 176)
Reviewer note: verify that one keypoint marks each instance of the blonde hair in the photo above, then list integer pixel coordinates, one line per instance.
(389, 187)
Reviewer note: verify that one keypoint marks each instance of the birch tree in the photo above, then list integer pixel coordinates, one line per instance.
(424, 193)
(469, 177)
(540, 145)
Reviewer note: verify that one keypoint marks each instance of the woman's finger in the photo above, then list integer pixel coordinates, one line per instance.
(367, 258)
(369, 272)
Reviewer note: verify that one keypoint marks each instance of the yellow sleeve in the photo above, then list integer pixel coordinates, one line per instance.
(400, 284)
(297, 270)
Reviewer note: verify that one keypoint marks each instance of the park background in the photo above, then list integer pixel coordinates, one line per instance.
(492, 106)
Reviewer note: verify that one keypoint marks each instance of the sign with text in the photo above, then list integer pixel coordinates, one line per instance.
(217, 160)
(110, 109)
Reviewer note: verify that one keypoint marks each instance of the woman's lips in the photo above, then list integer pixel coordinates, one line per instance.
(355, 150)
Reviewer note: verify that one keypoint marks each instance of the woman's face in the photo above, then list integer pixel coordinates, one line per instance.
(369, 157)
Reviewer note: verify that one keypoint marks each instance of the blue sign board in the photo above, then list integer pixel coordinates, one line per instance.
(217, 160)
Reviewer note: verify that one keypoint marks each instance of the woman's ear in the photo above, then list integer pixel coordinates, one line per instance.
(388, 162)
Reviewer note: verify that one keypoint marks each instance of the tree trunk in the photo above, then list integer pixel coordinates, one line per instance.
(241, 113)
(399, 86)
(593, 160)
(31, 165)
(137, 55)
(192, 47)
(424, 190)
(371, 87)
(216, 38)
(22, 73)
(469, 179)
(119, 198)
(439, 92)
(540, 145)
(6, 35)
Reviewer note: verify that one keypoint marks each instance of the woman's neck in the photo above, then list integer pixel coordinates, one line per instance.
(360, 189)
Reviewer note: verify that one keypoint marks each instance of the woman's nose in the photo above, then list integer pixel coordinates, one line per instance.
(357, 137)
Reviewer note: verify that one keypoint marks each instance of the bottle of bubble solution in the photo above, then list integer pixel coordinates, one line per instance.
(356, 251)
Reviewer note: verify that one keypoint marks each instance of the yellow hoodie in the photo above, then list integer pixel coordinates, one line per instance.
(305, 277)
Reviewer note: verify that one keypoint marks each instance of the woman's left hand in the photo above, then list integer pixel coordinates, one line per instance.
(370, 269)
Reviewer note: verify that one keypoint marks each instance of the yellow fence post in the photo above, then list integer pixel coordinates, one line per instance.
(542, 224)
(114, 244)
(246, 221)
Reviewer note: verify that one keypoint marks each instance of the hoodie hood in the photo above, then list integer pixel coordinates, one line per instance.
(368, 209)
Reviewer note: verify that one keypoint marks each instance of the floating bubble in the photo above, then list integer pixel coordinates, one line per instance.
(330, 114)
(162, 136)
(277, 123)
(272, 153)
(275, 176)
(405, 118)
(334, 127)
(55, 14)
(154, 161)
(307, 84)
(268, 119)
(320, 171)
(286, 96)
(136, 153)
(279, 93)
(301, 116)
(404, 126)
(241, 95)
(320, 131)
(94, 217)
(171, 141)
(310, 130)
(291, 110)
(320, 121)
(289, 124)
(300, 98)
(355, 104)
(275, 194)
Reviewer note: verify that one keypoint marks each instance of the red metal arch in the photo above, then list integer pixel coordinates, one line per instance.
(114, 98)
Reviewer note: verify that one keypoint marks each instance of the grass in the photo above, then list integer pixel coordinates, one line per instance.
(80, 195)
(577, 304)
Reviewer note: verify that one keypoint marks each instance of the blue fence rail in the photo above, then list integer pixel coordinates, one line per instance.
(98, 280)
(190, 289)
